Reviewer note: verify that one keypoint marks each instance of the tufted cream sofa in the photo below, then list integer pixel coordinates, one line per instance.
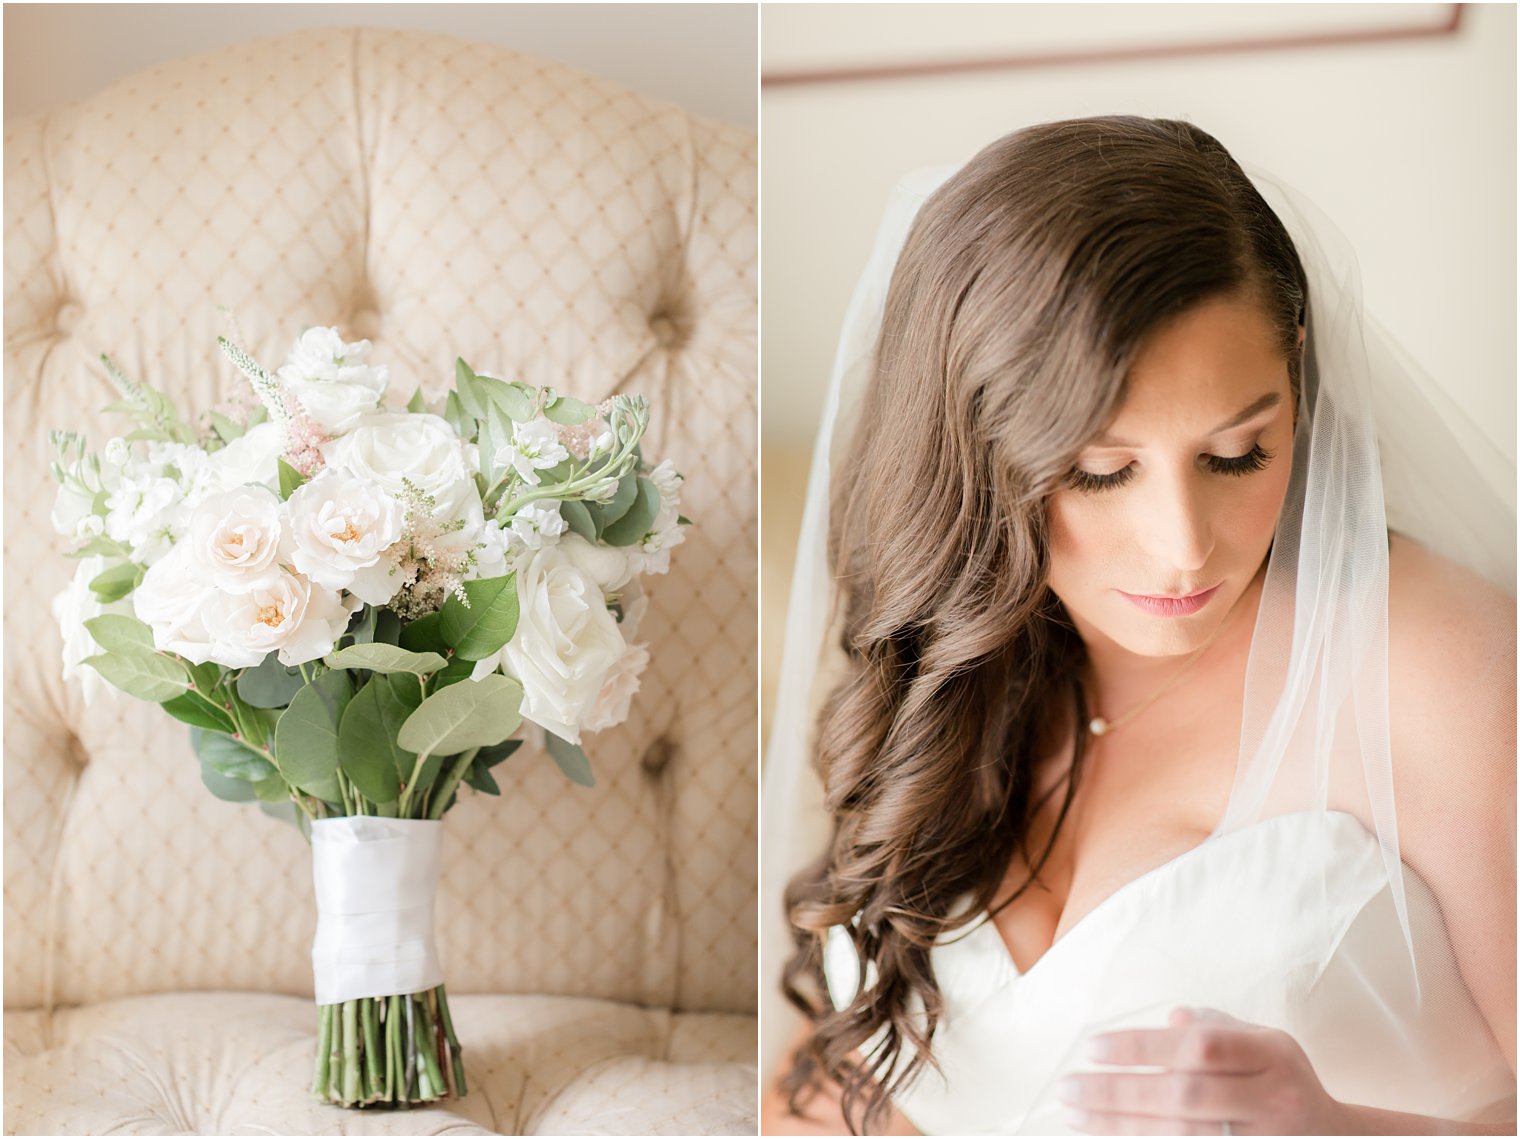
(438, 197)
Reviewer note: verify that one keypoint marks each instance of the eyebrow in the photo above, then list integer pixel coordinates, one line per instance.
(1271, 399)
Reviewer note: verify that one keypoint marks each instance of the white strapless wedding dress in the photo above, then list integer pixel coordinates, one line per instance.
(1221, 926)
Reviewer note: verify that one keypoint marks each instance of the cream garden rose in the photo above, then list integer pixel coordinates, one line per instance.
(171, 600)
(288, 615)
(339, 533)
(331, 381)
(234, 538)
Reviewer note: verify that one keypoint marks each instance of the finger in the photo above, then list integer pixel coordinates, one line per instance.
(1200, 1045)
(1173, 1095)
(1104, 1123)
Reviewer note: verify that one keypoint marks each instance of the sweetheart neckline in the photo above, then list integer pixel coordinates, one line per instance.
(989, 928)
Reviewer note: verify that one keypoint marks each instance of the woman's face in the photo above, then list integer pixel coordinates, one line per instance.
(1171, 509)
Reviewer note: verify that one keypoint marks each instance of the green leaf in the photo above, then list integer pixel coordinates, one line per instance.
(387, 628)
(571, 760)
(116, 632)
(569, 411)
(148, 676)
(116, 582)
(457, 670)
(224, 787)
(464, 385)
(630, 529)
(682, 520)
(361, 626)
(306, 737)
(290, 479)
(272, 790)
(194, 709)
(495, 433)
(230, 759)
(514, 400)
(204, 676)
(417, 405)
(606, 513)
(423, 635)
(578, 518)
(491, 756)
(463, 716)
(487, 623)
(367, 748)
(385, 658)
(286, 812)
(269, 684)
(226, 429)
(100, 544)
(458, 418)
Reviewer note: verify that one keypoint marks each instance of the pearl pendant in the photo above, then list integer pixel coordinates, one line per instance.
(1097, 725)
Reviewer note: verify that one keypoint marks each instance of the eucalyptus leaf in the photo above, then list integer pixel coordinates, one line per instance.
(464, 385)
(224, 787)
(116, 582)
(116, 632)
(515, 400)
(286, 812)
(457, 417)
(571, 760)
(385, 658)
(463, 716)
(290, 478)
(387, 628)
(569, 411)
(147, 676)
(226, 429)
(269, 684)
(478, 776)
(272, 790)
(578, 518)
(229, 758)
(606, 513)
(495, 753)
(487, 623)
(367, 748)
(630, 529)
(361, 626)
(194, 709)
(306, 737)
(423, 635)
(458, 669)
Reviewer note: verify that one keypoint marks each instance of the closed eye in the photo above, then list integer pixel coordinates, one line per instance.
(1253, 460)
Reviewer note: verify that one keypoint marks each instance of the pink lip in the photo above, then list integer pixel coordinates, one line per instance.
(1170, 606)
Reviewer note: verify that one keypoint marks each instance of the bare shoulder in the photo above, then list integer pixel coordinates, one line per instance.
(1451, 681)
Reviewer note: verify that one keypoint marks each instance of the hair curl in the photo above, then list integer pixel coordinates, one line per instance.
(1022, 295)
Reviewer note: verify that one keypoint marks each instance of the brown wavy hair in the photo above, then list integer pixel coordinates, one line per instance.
(1025, 288)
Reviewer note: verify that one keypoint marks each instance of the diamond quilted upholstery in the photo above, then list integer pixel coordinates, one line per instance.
(441, 198)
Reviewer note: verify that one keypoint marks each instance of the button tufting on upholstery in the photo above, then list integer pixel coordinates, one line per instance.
(669, 333)
(68, 316)
(364, 324)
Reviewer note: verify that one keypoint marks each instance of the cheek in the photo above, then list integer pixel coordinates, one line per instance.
(1082, 536)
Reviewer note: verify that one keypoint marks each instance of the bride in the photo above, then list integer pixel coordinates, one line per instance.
(1132, 673)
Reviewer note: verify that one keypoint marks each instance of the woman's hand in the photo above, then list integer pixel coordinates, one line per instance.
(1217, 1070)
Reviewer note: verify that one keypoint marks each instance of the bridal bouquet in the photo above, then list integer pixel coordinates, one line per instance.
(354, 608)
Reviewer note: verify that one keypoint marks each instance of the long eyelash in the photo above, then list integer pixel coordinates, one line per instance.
(1253, 460)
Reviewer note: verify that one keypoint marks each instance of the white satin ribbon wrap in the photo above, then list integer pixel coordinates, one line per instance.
(375, 881)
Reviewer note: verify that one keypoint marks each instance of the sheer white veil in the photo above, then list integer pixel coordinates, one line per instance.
(1378, 445)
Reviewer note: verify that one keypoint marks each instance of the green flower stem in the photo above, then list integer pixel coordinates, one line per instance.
(406, 796)
(430, 1046)
(409, 1051)
(439, 796)
(350, 1053)
(456, 1053)
(371, 1017)
(324, 1047)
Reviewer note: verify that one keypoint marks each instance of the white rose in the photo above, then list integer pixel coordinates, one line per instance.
(250, 458)
(172, 599)
(393, 447)
(537, 521)
(331, 381)
(565, 642)
(288, 615)
(339, 529)
(72, 607)
(611, 707)
(234, 538)
(606, 565)
(535, 446)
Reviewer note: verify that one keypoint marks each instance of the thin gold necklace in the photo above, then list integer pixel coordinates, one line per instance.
(1101, 726)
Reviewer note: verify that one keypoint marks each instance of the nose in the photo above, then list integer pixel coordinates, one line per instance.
(1177, 527)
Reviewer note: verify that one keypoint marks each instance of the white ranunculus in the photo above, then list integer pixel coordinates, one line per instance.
(72, 607)
(608, 566)
(611, 707)
(252, 457)
(393, 447)
(538, 523)
(331, 380)
(565, 642)
(173, 598)
(535, 446)
(234, 538)
(339, 530)
(289, 615)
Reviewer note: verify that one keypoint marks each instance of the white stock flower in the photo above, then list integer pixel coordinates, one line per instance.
(565, 642)
(535, 446)
(493, 552)
(234, 538)
(666, 530)
(143, 511)
(611, 707)
(339, 529)
(172, 599)
(250, 458)
(72, 511)
(330, 379)
(72, 607)
(287, 615)
(536, 522)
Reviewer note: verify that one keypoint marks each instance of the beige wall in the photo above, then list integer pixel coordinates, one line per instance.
(691, 54)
